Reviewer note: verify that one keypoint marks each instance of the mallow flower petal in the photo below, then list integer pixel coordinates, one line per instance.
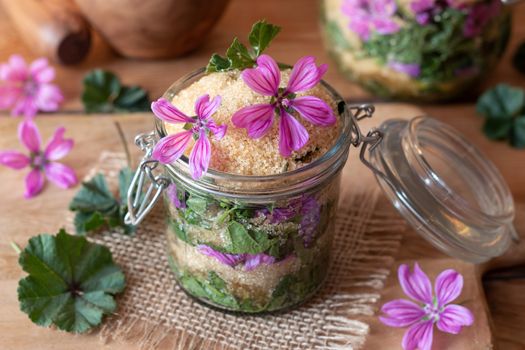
(8, 96)
(48, 97)
(415, 284)
(419, 336)
(41, 71)
(34, 183)
(401, 313)
(256, 119)
(265, 78)
(385, 26)
(411, 69)
(204, 108)
(26, 106)
(292, 134)
(61, 175)
(313, 109)
(14, 160)
(15, 69)
(29, 135)
(58, 147)
(254, 260)
(453, 318)
(305, 74)
(167, 112)
(171, 147)
(224, 258)
(448, 286)
(173, 196)
(218, 131)
(200, 156)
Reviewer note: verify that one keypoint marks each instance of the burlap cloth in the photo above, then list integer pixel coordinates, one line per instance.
(154, 312)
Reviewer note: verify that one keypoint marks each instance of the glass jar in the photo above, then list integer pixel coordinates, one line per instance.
(253, 243)
(424, 50)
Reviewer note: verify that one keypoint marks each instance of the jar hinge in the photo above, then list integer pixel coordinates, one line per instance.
(369, 141)
(141, 202)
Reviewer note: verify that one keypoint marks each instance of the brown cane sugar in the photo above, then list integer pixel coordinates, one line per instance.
(237, 153)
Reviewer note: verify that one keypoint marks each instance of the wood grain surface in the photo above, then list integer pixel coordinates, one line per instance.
(20, 219)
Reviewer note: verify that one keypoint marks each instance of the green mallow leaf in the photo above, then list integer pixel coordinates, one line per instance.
(504, 110)
(124, 180)
(218, 64)
(261, 36)
(197, 204)
(96, 207)
(238, 56)
(71, 282)
(497, 129)
(518, 135)
(104, 93)
(132, 99)
(503, 102)
(244, 241)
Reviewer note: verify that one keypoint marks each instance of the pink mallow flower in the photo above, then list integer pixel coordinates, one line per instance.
(427, 310)
(25, 90)
(265, 80)
(250, 261)
(369, 16)
(41, 162)
(479, 16)
(424, 10)
(171, 148)
(411, 69)
(173, 196)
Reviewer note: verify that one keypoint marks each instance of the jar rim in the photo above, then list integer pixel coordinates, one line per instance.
(338, 150)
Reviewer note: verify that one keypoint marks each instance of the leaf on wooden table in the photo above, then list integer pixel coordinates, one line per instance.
(71, 282)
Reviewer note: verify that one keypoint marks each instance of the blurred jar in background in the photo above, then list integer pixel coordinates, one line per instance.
(424, 50)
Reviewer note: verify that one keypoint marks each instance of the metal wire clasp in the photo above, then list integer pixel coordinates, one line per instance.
(140, 201)
(368, 141)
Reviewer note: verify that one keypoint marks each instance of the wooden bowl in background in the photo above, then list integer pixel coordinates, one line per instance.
(153, 28)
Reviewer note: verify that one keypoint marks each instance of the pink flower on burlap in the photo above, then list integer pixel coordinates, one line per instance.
(25, 90)
(42, 163)
(427, 309)
(172, 147)
(265, 80)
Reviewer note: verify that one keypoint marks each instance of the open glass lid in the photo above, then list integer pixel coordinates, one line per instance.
(443, 186)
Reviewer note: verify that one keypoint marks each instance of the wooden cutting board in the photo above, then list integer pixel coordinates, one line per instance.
(20, 219)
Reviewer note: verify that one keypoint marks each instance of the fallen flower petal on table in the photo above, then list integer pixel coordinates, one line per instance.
(427, 309)
(42, 163)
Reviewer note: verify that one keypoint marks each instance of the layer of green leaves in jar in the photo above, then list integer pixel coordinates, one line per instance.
(292, 289)
(234, 229)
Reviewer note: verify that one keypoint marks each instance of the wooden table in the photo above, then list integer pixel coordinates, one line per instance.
(20, 219)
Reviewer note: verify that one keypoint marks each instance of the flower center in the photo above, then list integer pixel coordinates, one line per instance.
(30, 87)
(197, 126)
(38, 161)
(283, 99)
(432, 312)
